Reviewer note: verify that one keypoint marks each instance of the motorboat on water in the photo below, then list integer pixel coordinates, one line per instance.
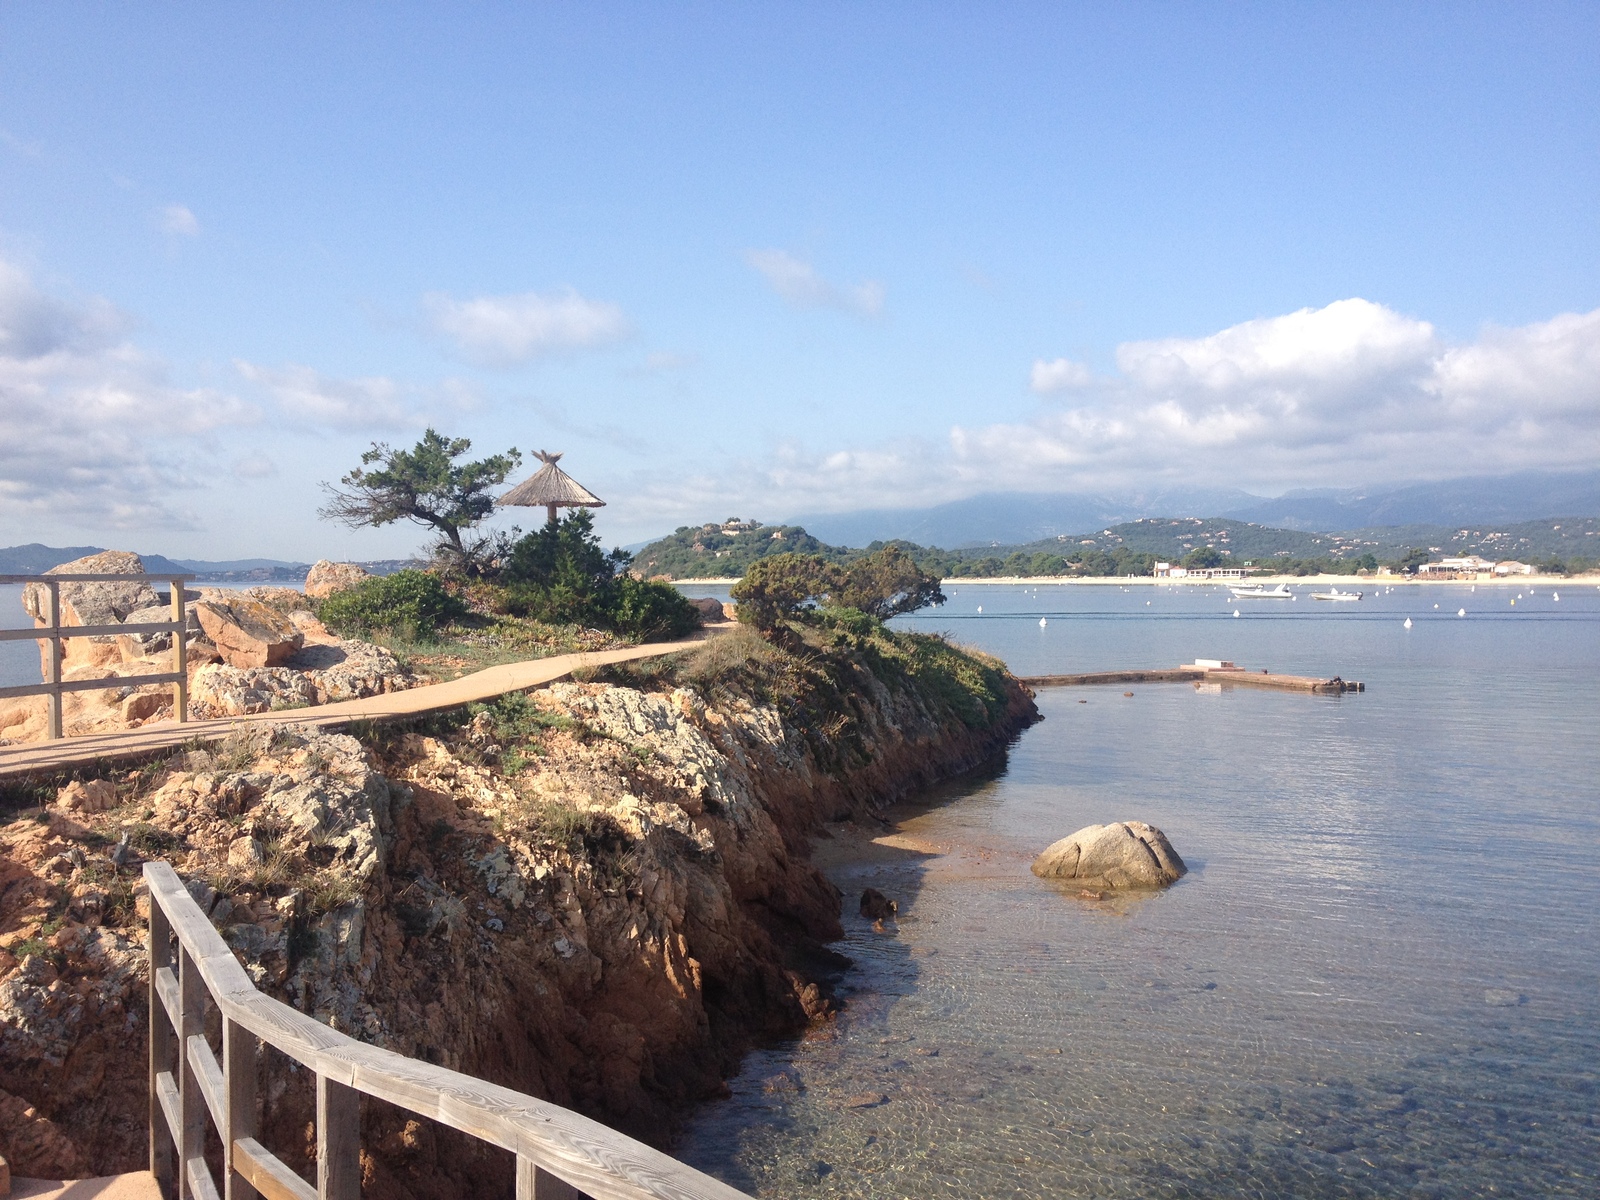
(1336, 595)
(1260, 591)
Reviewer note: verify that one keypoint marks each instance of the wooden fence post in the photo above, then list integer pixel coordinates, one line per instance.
(338, 1141)
(191, 1022)
(239, 1074)
(163, 1054)
(180, 655)
(53, 660)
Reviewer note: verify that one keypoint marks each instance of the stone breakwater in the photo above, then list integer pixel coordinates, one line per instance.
(602, 896)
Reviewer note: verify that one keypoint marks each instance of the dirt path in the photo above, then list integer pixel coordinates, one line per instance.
(34, 757)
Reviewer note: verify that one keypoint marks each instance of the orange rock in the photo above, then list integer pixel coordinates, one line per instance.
(247, 633)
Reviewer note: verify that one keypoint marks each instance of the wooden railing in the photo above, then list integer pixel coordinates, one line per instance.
(54, 633)
(560, 1155)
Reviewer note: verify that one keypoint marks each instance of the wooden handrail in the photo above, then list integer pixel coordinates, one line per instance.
(55, 633)
(559, 1153)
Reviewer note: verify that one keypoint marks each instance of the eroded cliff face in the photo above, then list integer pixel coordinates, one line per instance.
(599, 894)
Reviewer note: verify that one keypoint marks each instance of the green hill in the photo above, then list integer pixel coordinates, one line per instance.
(726, 550)
(1132, 548)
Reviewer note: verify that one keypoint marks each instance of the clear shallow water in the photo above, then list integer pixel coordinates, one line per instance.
(1380, 978)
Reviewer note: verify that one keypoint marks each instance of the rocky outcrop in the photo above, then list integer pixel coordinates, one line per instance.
(326, 578)
(600, 894)
(247, 633)
(1121, 855)
(317, 674)
(92, 603)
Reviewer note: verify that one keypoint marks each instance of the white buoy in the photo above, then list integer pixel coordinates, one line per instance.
(1556, 596)
(1461, 612)
(980, 608)
(1043, 622)
(1236, 612)
(1513, 604)
(1436, 606)
(1408, 622)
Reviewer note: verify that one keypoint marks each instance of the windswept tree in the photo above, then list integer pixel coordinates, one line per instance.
(428, 486)
(886, 584)
(882, 584)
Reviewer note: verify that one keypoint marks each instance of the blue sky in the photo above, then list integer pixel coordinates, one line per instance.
(766, 259)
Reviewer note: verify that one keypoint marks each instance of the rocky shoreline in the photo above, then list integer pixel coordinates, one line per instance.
(600, 893)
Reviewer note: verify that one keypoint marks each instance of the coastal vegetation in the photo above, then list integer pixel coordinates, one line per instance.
(1555, 546)
(482, 587)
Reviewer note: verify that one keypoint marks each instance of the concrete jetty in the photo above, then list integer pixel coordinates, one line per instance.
(1216, 671)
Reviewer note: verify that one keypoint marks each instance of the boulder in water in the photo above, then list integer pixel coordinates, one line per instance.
(1119, 856)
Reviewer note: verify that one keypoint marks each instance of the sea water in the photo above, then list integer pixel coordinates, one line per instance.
(1381, 976)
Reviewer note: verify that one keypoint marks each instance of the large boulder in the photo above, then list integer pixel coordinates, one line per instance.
(247, 633)
(1121, 855)
(92, 603)
(325, 578)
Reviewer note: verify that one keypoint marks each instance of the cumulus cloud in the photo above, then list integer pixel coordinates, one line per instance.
(91, 430)
(507, 331)
(177, 219)
(1059, 375)
(303, 396)
(1345, 394)
(797, 282)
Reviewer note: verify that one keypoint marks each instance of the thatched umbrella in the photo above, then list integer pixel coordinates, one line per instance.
(552, 488)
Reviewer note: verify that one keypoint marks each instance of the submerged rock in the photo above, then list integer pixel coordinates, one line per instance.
(1121, 855)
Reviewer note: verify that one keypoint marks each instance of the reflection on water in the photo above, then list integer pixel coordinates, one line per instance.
(1381, 976)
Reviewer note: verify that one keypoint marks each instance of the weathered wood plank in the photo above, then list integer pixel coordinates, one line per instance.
(170, 1102)
(267, 1173)
(52, 670)
(338, 1141)
(584, 1155)
(209, 1076)
(44, 633)
(163, 1052)
(239, 1073)
(191, 1025)
(100, 684)
(49, 579)
(198, 1177)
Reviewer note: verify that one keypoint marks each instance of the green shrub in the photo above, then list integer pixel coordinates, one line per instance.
(560, 575)
(411, 601)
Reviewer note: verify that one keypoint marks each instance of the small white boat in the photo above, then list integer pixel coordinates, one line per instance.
(1261, 592)
(1337, 596)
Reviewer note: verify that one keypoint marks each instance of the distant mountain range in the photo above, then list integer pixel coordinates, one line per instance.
(34, 559)
(1014, 518)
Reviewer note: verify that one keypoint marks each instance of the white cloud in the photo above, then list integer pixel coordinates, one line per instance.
(798, 282)
(91, 431)
(506, 331)
(1350, 394)
(177, 219)
(255, 466)
(1347, 394)
(1059, 375)
(306, 396)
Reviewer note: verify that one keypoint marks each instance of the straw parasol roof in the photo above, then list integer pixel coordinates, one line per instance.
(551, 488)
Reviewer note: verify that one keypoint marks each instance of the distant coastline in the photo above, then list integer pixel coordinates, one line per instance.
(1347, 581)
